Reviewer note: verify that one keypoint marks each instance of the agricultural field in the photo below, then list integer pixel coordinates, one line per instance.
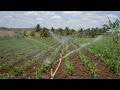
(77, 58)
(59, 45)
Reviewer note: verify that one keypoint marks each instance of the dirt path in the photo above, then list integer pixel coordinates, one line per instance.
(103, 71)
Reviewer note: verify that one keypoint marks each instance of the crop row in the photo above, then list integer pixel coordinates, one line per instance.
(107, 52)
(20, 68)
(90, 66)
(47, 63)
(68, 63)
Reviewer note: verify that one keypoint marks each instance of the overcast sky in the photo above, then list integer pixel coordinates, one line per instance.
(72, 19)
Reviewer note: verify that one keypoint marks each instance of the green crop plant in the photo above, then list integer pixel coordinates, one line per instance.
(114, 65)
(68, 63)
(6, 76)
(90, 67)
(38, 73)
(16, 70)
(107, 52)
(92, 70)
(69, 67)
(99, 57)
(42, 69)
(84, 59)
(46, 64)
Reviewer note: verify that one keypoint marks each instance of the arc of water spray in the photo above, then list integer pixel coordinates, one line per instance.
(39, 42)
(62, 40)
(82, 46)
(53, 35)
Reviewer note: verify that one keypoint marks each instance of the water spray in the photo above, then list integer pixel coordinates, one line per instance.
(82, 46)
(39, 42)
(63, 40)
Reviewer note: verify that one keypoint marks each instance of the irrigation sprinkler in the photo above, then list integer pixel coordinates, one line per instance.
(82, 46)
(53, 74)
(64, 41)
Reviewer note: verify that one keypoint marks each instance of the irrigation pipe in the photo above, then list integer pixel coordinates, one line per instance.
(82, 46)
(53, 74)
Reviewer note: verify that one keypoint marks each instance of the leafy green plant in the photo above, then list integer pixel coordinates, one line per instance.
(44, 66)
(114, 65)
(107, 52)
(16, 70)
(42, 69)
(69, 67)
(91, 67)
(6, 76)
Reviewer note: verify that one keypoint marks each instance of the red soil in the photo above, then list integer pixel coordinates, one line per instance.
(58, 75)
(80, 71)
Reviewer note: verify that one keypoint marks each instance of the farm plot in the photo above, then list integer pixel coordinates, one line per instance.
(32, 58)
(27, 52)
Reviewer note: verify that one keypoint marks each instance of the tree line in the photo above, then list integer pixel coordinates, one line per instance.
(43, 32)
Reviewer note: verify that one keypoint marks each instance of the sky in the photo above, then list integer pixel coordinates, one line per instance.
(56, 19)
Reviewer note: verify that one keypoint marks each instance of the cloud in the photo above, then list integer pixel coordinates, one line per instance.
(30, 13)
(72, 19)
(56, 17)
(39, 13)
(73, 12)
(39, 19)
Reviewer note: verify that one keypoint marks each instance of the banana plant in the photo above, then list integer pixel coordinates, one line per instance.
(114, 28)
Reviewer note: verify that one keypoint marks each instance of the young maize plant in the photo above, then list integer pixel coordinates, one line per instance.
(91, 67)
(46, 64)
(68, 63)
(69, 66)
